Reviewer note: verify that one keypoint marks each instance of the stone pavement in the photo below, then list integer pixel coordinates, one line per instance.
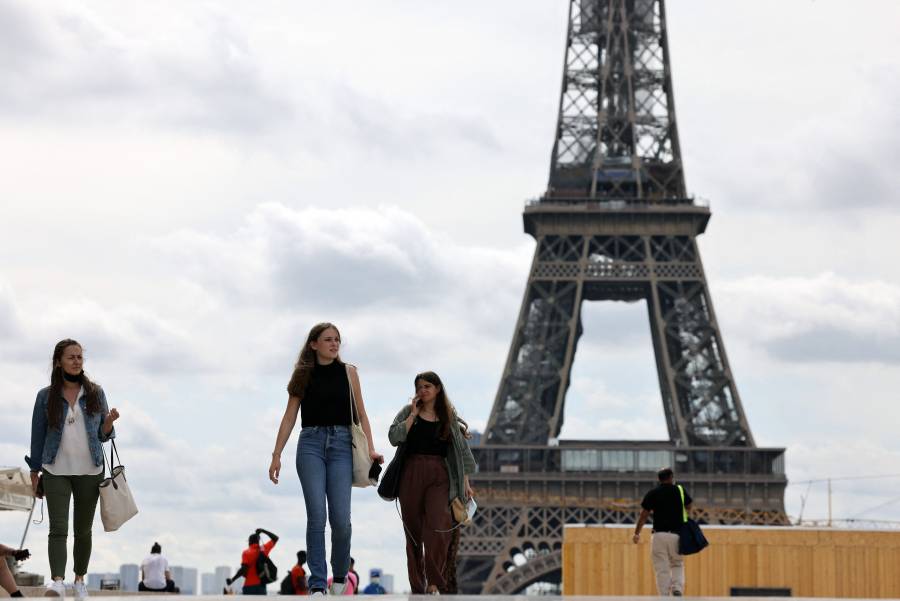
(114, 595)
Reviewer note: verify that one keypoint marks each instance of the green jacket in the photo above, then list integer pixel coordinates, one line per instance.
(460, 461)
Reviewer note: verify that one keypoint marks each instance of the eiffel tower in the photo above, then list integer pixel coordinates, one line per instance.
(615, 224)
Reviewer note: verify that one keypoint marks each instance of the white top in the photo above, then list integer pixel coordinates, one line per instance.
(74, 455)
(154, 568)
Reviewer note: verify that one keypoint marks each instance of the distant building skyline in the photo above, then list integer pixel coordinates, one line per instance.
(185, 579)
(96, 580)
(207, 583)
(212, 583)
(222, 573)
(129, 576)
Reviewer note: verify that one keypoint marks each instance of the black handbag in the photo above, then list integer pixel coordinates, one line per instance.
(690, 538)
(389, 488)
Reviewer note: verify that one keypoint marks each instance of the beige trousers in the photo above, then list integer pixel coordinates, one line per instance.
(667, 563)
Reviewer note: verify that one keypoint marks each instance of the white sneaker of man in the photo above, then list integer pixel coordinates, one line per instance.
(80, 589)
(317, 593)
(56, 588)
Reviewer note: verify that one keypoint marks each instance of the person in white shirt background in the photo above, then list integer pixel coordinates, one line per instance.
(155, 574)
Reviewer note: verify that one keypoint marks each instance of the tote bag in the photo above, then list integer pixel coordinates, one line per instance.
(117, 505)
(690, 539)
(360, 444)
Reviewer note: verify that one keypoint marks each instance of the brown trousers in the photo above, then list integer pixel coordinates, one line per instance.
(425, 506)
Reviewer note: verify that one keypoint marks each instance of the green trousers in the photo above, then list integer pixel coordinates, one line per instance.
(58, 491)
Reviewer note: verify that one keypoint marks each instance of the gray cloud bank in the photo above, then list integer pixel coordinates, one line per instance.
(826, 318)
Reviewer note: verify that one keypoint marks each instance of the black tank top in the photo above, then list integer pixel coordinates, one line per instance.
(326, 401)
(422, 439)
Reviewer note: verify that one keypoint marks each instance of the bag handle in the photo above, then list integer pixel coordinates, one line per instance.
(684, 513)
(353, 414)
(112, 450)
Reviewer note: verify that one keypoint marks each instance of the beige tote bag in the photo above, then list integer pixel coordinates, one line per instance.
(360, 443)
(117, 504)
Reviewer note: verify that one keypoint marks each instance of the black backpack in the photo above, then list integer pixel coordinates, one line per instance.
(266, 569)
(287, 586)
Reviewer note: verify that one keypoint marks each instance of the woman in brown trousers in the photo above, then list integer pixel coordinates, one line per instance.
(436, 471)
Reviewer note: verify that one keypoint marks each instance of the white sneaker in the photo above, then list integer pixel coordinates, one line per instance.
(317, 594)
(80, 589)
(337, 588)
(56, 588)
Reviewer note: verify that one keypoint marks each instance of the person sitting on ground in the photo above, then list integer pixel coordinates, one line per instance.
(252, 584)
(6, 577)
(299, 586)
(155, 574)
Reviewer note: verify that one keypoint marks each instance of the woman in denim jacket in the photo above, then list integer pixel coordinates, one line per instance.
(71, 420)
(438, 462)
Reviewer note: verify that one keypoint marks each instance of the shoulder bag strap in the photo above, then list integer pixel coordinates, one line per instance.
(353, 417)
(684, 513)
(114, 450)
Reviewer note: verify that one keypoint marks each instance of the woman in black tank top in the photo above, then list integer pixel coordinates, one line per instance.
(319, 391)
(436, 471)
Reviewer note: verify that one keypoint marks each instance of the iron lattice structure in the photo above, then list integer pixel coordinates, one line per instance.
(614, 224)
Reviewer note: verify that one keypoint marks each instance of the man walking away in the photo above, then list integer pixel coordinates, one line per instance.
(664, 502)
(252, 583)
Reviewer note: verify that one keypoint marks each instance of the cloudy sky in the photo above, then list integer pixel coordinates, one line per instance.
(187, 188)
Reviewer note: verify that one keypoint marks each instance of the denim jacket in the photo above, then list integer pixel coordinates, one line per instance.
(45, 440)
(460, 462)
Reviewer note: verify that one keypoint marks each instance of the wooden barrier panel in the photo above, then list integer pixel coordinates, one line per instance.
(811, 562)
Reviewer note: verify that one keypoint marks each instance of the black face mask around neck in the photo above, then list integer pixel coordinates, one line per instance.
(74, 379)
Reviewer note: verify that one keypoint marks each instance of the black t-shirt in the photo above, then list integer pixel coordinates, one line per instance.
(422, 439)
(665, 503)
(326, 401)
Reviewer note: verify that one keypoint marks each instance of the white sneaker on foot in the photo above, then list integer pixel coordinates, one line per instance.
(337, 588)
(317, 593)
(56, 588)
(80, 589)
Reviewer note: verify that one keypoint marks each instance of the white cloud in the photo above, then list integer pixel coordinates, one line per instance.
(865, 477)
(186, 162)
(77, 64)
(400, 290)
(9, 319)
(821, 318)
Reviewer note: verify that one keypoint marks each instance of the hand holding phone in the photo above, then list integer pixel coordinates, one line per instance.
(471, 506)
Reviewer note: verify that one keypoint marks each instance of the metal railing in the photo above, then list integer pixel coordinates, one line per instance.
(618, 204)
(585, 457)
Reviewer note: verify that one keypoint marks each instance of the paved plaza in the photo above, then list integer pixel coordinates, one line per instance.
(114, 596)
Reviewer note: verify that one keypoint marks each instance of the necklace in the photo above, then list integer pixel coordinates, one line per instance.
(70, 419)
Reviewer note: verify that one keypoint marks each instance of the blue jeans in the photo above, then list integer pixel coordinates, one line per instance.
(325, 467)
